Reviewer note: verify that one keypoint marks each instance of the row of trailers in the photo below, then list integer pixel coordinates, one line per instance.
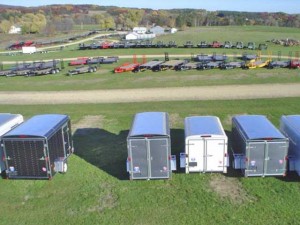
(37, 148)
(258, 147)
(206, 62)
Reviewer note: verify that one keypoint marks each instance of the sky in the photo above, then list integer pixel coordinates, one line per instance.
(287, 6)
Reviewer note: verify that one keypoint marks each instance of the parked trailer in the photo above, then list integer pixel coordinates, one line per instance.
(149, 146)
(44, 68)
(82, 69)
(290, 127)
(126, 67)
(38, 148)
(7, 122)
(260, 149)
(148, 65)
(205, 145)
(187, 66)
(172, 64)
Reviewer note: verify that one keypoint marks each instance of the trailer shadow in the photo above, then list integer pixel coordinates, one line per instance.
(177, 146)
(105, 150)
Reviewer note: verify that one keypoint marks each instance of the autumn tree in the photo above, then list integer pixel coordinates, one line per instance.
(5, 26)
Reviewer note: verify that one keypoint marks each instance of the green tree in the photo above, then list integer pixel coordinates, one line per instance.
(5, 26)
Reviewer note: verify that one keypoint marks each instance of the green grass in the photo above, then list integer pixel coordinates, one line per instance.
(96, 189)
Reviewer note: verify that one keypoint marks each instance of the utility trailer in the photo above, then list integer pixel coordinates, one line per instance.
(203, 44)
(149, 147)
(227, 44)
(239, 45)
(232, 65)
(187, 66)
(203, 58)
(148, 66)
(169, 65)
(279, 64)
(205, 145)
(290, 127)
(38, 148)
(216, 57)
(209, 65)
(83, 69)
(126, 67)
(188, 44)
(44, 68)
(259, 148)
(103, 60)
(7, 123)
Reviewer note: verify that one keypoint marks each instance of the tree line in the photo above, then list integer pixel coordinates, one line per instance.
(62, 18)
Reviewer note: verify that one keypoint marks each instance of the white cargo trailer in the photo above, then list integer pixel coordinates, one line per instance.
(290, 127)
(7, 122)
(205, 145)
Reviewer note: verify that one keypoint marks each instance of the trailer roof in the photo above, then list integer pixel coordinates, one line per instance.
(257, 127)
(39, 126)
(203, 125)
(6, 117)
(293, 121)
(150, 123)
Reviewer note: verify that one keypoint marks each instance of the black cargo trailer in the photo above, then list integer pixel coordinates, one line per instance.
(149, 146)
(260, 149)
(38, 148)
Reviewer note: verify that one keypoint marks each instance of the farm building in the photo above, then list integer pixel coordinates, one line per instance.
(205, 145)
(15, 30)
(260, 149)
(290, 127)
(157, 30)
(135, 36)
(139, 30)
(149, 146)
(7, 122)
(38, 148)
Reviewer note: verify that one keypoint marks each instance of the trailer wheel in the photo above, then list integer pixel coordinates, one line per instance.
(53, 71)
(57, 70)
(95, 69)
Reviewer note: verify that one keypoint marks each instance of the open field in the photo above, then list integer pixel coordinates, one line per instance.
(96, 188)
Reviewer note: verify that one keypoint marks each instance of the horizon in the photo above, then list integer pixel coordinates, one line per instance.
(286, 6)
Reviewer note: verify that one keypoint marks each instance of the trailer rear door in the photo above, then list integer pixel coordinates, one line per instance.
(195, 154)
(139, 158)
(215, 155)
(275, 161)
(159, 158)
(255, 158)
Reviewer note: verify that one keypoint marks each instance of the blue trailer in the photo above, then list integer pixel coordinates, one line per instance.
(290, 127)
(38, 148)
(259, 148)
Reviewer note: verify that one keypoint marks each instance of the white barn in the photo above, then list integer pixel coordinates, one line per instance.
(140, 30)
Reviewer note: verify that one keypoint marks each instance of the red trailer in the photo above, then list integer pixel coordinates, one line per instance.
(127, 67)
(78, 61)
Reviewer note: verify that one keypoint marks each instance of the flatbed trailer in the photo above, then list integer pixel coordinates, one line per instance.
(148, 65)
(171, 65)
(127, 67)
(187, 66)
(232, 65)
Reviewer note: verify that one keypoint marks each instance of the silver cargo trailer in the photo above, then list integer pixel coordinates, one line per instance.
(149, 146)
(38, 148)
(260, 149)
(7, 122)
(205, 145)
(290, 127)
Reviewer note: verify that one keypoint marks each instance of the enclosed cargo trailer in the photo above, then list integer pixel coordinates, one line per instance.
(38, 148)
(7, 122)
(205, 145)
(290, 127)
(149, 146)
(260, 149)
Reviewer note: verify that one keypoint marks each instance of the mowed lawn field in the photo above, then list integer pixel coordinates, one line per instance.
(96, 189)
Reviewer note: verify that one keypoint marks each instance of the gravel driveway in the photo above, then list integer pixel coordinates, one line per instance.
(226, 92)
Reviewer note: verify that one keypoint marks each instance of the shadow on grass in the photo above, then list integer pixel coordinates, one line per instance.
(103, 149)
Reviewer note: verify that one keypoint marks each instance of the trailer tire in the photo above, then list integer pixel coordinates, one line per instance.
(53, 71)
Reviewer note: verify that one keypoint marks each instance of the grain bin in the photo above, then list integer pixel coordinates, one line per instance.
(290, 127)
(7, 122)
(149, 146)
(260, 149)
(39, 147)
(205, 145)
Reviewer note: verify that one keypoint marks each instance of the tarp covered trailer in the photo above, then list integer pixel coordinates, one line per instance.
(259, 148)
(7, 122)
(149, 146)
(38, 148)
(205, 145)
(290, 127)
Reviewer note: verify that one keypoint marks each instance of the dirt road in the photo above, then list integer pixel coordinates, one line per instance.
(152, 94)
